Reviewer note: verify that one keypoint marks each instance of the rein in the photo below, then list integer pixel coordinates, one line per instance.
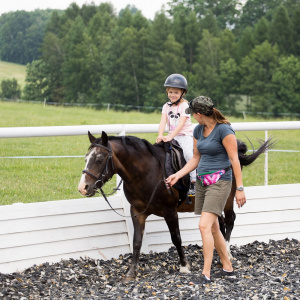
(105, 172)
(151, 198)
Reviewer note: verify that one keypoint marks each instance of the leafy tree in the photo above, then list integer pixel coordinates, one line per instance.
(129, 8)
(53, 57)
(261, 31)
(192, 35)
(228, 84)
(155, 75)
(256, 75)
(13, 35)
(55, 24)
(228, 47)
(179, 25)
(225, 11)
(281, 33)
(72, 12)
(76, 73)
(10, 89)
(125, 19)
(254, 10)
(87, 12)
(102, 56)
(209, 22)
(245, 44)
(172, 57)
(295, 24)
(139, 21)
(286, 86)
(36, 87)
(207, 67)
(21, 35)
(130, 62)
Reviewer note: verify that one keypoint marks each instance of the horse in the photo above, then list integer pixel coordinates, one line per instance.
(140, 165)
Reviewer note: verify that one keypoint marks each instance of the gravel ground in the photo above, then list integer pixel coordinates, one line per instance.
(263, 271)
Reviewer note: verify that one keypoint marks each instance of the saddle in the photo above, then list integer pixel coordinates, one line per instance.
(174, 161)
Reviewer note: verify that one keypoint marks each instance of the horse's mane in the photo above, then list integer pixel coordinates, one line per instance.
(137, 143)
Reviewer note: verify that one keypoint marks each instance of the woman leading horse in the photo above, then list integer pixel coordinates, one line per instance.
(140, 165)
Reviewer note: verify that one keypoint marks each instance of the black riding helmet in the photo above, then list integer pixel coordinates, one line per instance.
(177, 81)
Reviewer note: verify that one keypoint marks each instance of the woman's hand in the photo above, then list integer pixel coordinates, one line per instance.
(171, 180)
(240, 198)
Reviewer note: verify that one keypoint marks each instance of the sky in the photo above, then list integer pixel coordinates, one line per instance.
(148, 7)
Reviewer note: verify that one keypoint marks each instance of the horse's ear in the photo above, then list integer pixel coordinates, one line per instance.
(91, 137)
(104, 138)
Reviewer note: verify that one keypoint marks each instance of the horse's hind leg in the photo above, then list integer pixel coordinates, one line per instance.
(139, 227)
(171, 218)
(227, 222)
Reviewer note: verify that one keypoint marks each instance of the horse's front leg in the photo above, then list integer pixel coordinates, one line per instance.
(139, 227)
(171, 218)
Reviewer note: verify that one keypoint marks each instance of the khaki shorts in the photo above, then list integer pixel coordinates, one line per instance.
(212, 198)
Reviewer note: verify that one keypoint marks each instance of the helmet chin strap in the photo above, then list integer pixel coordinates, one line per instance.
(175, 103)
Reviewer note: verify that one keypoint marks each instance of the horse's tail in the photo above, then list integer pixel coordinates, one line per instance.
(245, 159)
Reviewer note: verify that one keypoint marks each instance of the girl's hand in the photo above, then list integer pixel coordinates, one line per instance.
(167, 139)
(240, 198)
(159, 139)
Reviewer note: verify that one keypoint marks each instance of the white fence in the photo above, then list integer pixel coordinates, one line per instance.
(50, 231)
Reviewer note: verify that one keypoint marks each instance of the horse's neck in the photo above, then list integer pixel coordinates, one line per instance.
(128, 165)
(123, 159)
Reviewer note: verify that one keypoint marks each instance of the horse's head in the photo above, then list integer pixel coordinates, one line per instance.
(99, 165)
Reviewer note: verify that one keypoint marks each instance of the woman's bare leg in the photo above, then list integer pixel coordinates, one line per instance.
(205, 225)
(220, 246)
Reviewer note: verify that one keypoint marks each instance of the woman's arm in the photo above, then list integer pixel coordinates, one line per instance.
(230, 145)
(189, 166)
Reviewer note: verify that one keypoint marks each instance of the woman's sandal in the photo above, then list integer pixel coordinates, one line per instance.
(200, 280)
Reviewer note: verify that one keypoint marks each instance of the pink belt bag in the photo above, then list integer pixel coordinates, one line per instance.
(209, 178)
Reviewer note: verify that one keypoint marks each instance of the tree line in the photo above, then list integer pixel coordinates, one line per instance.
(90, 54)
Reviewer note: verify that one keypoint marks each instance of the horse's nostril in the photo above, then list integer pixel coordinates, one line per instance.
(86, 187)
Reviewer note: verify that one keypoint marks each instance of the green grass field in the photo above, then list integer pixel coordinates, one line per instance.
(10, 70)
(46, 179)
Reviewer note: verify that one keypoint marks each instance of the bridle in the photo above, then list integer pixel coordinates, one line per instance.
(100, 178)
(102, 175)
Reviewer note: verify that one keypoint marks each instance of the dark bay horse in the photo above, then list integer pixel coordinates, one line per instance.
(141, 167)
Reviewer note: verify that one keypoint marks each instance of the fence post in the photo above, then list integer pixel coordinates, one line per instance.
(266, 160)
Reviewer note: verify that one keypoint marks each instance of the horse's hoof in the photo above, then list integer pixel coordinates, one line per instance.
(185, 270)
(128, 278)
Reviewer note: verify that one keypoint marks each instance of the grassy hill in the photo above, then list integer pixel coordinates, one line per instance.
(10, 70)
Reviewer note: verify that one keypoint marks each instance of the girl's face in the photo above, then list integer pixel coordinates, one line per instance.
(174, 94)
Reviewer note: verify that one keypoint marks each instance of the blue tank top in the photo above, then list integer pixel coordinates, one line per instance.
(214, 156)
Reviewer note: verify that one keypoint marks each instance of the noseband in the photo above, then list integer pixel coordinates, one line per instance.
(104, 172)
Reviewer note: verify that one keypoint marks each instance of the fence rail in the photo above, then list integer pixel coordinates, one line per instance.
(121, 129)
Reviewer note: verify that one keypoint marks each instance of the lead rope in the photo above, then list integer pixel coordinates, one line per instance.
(151, 198)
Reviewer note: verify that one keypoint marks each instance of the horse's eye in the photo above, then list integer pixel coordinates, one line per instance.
(99, 159)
